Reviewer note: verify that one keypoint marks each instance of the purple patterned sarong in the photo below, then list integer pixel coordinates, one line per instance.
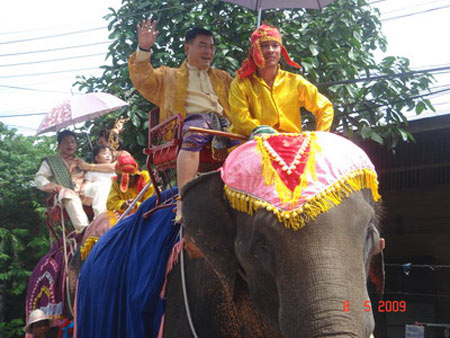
(196, 142)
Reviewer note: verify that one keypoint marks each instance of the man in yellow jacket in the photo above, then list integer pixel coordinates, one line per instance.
(195, 90)
(262, 94)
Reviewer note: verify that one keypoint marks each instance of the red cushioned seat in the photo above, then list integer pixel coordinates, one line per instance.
(164, 143)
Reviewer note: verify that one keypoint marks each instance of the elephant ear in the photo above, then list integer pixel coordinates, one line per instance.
(377, 274)
(208, 221)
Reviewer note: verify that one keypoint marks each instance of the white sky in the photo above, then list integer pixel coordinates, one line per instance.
(423, 38)
(29, 19)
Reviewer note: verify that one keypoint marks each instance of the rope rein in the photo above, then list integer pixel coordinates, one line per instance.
(183, 284)
(66, 259)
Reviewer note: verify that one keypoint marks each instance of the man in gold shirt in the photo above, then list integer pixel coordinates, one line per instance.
(262, 94)
(195, 90)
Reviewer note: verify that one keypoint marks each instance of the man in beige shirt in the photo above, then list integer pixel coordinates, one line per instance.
(195, 90)
(61, 173)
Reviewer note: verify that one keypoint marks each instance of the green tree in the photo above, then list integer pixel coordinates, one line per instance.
(23, 236)
(332, 45)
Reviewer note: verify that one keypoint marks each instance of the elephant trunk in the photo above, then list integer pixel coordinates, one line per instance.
(329, 300)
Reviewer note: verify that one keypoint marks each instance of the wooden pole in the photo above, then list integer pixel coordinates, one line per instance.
(218, 133)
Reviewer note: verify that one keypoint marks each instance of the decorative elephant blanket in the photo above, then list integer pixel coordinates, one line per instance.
(47, 284)
(296, 176)
(119, 288)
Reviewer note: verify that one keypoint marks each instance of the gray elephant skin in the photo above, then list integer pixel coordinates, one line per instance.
(249, 276)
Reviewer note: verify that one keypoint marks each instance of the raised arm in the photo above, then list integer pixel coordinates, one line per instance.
(146, 79)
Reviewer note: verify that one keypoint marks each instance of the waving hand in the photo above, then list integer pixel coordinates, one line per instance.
(147, 34)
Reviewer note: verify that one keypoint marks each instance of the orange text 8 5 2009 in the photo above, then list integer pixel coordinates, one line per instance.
(380, 306)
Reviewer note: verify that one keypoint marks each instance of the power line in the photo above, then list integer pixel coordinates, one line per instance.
(21, 127)
(20, 115)
(46, 28)
(16, 32)
(47, 73)
(418, 5)
(441, 103)
(15, 110)
(103, 27)
(97, 43)
(55, 49)
(340, 113)
(33, 89)
(379, 77)
(53, 36)
(416, 13)
(52, 60)
(368, 79)
(163, 9)
(431, 66)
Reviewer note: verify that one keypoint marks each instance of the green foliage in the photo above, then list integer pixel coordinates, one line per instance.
(12, 328)
(334, 44)
(23, 234)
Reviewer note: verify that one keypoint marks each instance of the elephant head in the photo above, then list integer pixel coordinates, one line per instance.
(306, 282)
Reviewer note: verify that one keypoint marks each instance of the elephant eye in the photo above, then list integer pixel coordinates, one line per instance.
(260, 243)
(260, 248)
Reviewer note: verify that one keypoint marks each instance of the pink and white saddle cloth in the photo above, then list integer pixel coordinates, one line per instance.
(296, 176)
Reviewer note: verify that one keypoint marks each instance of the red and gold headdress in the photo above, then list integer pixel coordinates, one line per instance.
(255, 56)
(126, 165)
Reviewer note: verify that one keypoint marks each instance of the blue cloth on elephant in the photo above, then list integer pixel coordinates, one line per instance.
(120, 282)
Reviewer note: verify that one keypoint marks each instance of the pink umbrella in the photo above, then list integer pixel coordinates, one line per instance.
(258, 5)
(79, 108)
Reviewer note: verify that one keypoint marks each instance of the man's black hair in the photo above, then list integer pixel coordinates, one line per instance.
(97, 149)
(65, 133)
(196, 31)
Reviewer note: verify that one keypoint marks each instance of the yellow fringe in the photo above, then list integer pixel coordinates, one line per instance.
(87, 247)
(320, 203)
(90, 242)
(112, 218)
(271, 176)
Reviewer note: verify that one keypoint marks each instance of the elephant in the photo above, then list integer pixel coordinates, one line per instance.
(272, 280)
(296, 283)
(252, 268)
